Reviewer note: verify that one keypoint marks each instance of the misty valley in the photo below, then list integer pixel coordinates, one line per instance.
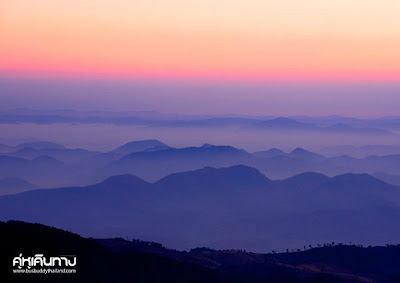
(219, 211)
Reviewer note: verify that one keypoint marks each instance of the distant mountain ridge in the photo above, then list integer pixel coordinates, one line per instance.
(153, 160)
(250, 210)
(137, 146)
(329, 124)
(35, 145)
(188, 152)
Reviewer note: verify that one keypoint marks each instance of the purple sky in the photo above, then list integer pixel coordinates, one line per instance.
(361, 99)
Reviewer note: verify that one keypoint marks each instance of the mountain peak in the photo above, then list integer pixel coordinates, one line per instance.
(307, 175)
(358, 179)
(137, 146)
(299, 150)
(190, 153)
(207, 145)
(238, 176)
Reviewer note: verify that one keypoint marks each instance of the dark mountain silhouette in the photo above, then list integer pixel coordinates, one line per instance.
(205, 151)
(225, 179)
(346, 262)
(137, 146)
(82, 167)
(118, 260)
(95, 263)
(122, 182)
(157, 164)
(207, 145)
(234, 207)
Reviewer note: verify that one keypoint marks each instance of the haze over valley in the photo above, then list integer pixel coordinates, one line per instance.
(218, 196)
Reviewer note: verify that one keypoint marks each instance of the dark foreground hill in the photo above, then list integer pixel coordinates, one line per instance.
(95, 263)
(118, 260)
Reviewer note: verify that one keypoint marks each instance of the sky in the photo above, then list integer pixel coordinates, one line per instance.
(348, 44)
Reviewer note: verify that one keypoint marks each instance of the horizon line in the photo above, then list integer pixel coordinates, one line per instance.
(226, 115)
(203, 76)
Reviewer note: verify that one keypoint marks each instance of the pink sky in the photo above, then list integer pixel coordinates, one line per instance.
(236, 39)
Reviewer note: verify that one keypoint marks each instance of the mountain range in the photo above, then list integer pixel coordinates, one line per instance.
(234, 207)
(151, 160)
(333, 124)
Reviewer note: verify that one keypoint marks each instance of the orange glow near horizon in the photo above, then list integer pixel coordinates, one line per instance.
(235, 39)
